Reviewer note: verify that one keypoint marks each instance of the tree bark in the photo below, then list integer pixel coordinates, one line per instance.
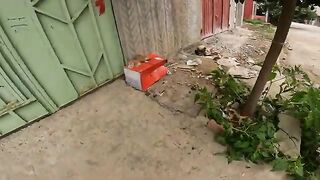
(280, 36)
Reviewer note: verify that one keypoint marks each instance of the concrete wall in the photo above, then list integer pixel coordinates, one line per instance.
(232, 14)
(239, 14)
(161, 26)
(236, 14)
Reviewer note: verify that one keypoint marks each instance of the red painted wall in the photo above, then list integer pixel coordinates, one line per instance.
(248, 9)
(225, 14)
(207, 18)
(215, 16)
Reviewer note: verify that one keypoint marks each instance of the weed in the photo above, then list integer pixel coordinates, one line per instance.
(253, 139)
(255, 22)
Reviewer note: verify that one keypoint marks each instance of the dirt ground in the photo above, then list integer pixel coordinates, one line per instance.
(304, 41)
(127, 137)
(120, 133)
(177, 91)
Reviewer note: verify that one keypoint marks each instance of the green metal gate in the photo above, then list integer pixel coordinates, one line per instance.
(52, 52)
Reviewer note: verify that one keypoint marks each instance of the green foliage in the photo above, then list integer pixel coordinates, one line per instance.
(250, 140)
(273, 6)
(254, 22)
(233, 90)
(267, 30)
(305, 105)
(254, 139)
(304, 11)
(293, 167)
(245, 138)
(210, 105)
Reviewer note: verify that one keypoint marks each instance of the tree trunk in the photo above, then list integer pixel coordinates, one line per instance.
(272, 56)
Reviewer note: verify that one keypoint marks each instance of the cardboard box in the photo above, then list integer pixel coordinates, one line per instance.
(147, 73)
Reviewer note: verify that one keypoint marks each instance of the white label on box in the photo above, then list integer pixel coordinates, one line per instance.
(133, 78)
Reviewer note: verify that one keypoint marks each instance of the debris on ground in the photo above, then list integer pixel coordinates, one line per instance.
(250, 61)
(215, 127)
(201, 50)
(183, 66)
(228, 62)
(256, 67)
(207, 66)
(289, 135)
(194, 62)
(242, 72)
(191, 68)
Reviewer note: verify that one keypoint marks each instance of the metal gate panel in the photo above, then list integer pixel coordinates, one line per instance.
(52, 52)
(18, 105)
(67, 51)
(78, 44)
(73, 39)
(225, 14)
(20, 25)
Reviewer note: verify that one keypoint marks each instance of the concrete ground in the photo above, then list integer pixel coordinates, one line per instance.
(119, 133)
(305, 43)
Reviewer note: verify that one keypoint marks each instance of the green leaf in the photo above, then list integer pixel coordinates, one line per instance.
(298, 96)
(272, 76)
(241, 144)
(299, 170)
(256, 156)
(265, 154)
(271, 130)
(261, 135)
(280, 164)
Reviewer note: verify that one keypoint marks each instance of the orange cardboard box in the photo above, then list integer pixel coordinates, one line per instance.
(147, 73)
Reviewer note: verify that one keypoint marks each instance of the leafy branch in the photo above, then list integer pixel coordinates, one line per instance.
(253, 138)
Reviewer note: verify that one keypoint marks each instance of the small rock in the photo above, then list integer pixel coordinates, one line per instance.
(215, 127)
(235, 105)
(201, 50)
(250, 61)
(217, 57)
(256, 67)
(289, 135)
(290, 48)
(230, 62)
(242, 72)
(147, 93)
(194, 62)
(182, 66)
(208, 77)
(207, 66)
(182, 56)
